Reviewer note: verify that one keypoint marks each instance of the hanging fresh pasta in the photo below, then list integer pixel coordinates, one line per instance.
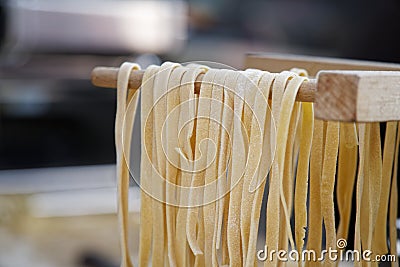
(210, 156)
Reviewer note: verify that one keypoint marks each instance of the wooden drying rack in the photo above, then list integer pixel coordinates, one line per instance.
(343, 90)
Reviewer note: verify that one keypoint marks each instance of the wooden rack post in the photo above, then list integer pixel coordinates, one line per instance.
(345, 95)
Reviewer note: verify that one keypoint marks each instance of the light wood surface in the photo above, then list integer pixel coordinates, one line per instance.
(279, 62)
(363, 96)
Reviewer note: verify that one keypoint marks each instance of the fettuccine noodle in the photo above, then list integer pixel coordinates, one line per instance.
(208, 162)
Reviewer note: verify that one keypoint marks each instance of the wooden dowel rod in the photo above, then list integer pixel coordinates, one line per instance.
(353, 96)
(107, 77)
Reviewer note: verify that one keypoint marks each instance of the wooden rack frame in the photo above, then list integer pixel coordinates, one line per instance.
(343, 90)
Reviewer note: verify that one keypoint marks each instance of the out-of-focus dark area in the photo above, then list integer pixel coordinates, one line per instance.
(56, 129)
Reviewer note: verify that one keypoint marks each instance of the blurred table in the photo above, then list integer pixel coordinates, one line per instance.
(62, 217)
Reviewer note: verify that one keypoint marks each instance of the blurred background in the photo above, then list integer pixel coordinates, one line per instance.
(57, 178)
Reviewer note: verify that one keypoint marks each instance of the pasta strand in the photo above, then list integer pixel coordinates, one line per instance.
(146, 216)
(328, 185)
(307, 128)
(394, 201)
(159, 244)
(380, 234)
(122, 144)
(315, 221)
(347, 168)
